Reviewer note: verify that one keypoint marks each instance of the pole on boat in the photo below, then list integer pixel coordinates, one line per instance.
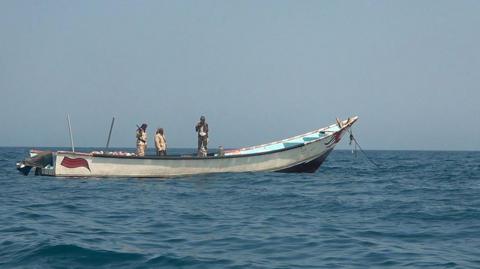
(70, 131)
(110, 133)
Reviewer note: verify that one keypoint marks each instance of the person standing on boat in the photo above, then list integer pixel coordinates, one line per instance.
(202, 129)
(142, 140)
(160, 142)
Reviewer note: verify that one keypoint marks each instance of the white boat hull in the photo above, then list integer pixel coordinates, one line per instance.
(305, 157)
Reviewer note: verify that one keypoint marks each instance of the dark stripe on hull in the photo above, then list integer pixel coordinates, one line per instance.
(308, 167)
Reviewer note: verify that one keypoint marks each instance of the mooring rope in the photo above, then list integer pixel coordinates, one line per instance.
(352, 138)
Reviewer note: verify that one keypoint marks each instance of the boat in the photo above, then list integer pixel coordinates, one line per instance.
(299, 154)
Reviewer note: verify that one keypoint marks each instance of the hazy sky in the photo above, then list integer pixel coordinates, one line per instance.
(258, 70)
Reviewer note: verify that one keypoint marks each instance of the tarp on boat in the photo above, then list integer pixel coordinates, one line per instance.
(41, 160)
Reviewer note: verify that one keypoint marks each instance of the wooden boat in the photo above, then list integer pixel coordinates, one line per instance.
(302, 153)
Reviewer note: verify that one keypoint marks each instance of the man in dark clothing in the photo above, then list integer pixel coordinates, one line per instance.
(202, 129)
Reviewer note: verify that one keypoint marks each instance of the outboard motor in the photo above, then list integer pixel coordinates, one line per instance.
(40, 160)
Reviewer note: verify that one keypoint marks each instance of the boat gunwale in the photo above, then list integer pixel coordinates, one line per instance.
(348, 123)
(181, 157)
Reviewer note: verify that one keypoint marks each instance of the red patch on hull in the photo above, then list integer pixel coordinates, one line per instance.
(74, 163)
(338, 136)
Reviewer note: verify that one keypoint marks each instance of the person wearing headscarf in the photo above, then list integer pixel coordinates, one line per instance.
(161, 142)
(142, 140)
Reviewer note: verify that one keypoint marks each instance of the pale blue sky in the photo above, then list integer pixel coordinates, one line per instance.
(258, 70)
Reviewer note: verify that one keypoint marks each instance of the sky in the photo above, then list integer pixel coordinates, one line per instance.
(258, 70)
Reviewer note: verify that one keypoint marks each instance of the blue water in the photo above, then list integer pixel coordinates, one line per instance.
(419, 210)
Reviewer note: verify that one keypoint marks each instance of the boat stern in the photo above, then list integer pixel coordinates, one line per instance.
(40, 161)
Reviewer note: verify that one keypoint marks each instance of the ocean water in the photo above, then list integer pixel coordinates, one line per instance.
(418, 210)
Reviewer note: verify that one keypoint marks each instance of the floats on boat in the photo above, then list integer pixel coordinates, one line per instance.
(301, 154)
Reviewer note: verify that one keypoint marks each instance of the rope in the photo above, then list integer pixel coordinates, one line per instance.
(352, 138)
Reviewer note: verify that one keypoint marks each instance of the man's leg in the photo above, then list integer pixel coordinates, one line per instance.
(205, 142)
(199, 145)
(141, 150)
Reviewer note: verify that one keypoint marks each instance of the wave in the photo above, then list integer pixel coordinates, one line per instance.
(171, 260)
(74, 256)
(71, 256)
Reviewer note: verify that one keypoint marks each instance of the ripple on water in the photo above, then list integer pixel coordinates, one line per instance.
(75, 256)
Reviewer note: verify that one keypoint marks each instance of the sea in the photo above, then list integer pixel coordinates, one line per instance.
(414, 209)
